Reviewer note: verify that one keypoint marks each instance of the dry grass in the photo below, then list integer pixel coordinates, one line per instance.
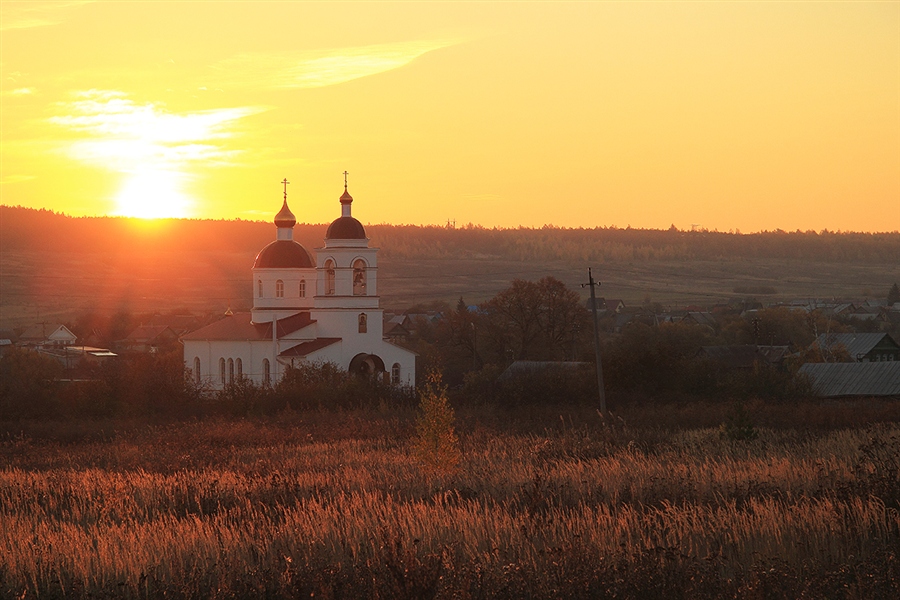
(336, 505)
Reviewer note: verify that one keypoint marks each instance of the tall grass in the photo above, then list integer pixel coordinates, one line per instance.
(338, 506)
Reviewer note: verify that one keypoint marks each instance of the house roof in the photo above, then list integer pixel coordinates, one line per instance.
(178, 323)
(146, 333)
(854, 379)
(238, 326)
(305, 348)
(857, 344)
(395, 329)
(701, 318)
(739, 356)
(43, 331)
(522, 367)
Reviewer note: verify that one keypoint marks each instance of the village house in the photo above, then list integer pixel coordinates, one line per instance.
(42, 335)
(861, 347)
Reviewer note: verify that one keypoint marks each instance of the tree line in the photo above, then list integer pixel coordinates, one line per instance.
(43, 230)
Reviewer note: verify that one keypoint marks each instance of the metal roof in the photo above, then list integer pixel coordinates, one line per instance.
(854, 379)
(857, 344)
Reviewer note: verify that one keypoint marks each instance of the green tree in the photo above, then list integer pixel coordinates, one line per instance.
(435, 444)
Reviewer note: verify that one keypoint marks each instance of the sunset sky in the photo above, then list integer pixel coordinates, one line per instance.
(748, 116)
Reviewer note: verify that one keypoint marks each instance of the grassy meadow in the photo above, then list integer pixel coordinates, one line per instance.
(664, 501)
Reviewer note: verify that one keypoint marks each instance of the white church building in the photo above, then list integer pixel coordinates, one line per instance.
(305, 310)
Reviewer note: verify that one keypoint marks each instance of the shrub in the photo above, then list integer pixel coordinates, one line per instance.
(435, 444)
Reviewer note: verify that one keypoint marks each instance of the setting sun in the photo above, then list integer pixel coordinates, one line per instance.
(153, 195)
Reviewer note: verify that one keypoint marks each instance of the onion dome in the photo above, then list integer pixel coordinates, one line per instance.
(284, 254)
(285, 218)
(345, 228)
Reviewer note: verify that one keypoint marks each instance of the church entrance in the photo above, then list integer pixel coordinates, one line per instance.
(366, 365)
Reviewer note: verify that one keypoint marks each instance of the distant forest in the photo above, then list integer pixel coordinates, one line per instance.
(43, 230)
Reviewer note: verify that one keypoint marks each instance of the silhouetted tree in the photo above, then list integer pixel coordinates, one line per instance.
(893, 296)
(534, 319)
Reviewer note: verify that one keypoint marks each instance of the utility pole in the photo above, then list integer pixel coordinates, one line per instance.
(597, 342)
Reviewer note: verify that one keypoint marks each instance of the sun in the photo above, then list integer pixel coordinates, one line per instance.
(153, 194)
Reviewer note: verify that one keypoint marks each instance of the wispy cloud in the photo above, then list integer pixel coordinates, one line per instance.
(121, 134)
(322, 68)
(25, 91)
(24, 15)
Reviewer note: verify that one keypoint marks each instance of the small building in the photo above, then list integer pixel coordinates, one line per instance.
(149, 339)
(835, 380)
(47, 335)
(862, 347)
(744, 356)
(523, 368)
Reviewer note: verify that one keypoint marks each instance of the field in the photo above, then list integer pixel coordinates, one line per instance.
(38, 286)
(659, 502)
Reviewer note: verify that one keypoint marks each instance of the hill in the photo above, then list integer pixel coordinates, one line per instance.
(54, 266)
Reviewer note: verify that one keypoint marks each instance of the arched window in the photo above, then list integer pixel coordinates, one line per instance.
(222, 370)
(239, 366)
(363, 323)
(395, 374)
(303, 288)
(359, 277)
(196, 369)
(279, 289)
(230, 371)
(259, 288)
(267, 374)
(329, 277)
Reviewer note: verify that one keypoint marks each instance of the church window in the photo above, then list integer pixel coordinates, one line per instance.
(395, 374)
(329, 277)
(230, 371)
(222, 370)
(196, 369)
(239, 366)
(267, 374)
(303, 288)
(359, 277)
(279, 289)
(259, 288)
(363, 325)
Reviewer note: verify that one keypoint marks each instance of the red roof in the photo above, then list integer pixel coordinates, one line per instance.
(304, 348)
(239, 327)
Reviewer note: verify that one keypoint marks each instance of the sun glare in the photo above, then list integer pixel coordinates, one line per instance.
(153, 195)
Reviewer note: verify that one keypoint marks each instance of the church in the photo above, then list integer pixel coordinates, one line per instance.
(306, 310)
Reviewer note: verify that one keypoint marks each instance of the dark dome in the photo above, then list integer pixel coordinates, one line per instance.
(345, 228)
(283, 254)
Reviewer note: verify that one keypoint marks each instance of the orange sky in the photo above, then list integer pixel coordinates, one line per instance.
(749, 116)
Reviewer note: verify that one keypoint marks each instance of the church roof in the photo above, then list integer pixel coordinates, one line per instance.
(239, 327)
(345, 228)
(283, 254)
(304, 348)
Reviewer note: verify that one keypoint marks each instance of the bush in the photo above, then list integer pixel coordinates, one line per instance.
(325, 386)
(28, 383)
(435, 444)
